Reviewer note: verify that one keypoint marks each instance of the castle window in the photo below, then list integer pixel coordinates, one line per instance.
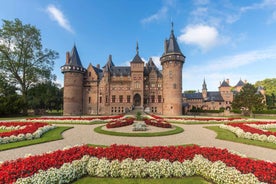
(174, 86)
(121, 98)
(113, 98)
(152, 98)
(89, 74)
(155, 109)
(100, 99)
(159, 85)
(137, 85)
(128, 98)
(89, 100)
(106, 99)
(159, 99)
(170, 74)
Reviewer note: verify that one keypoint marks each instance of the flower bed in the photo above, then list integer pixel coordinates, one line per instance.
(120, 123)
(253, 130)
(74, 119)
(158, 122)
(22, 131)
(192, 119)
(218, 165)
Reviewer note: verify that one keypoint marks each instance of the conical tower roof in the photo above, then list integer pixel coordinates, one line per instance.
(137, 58)
(171, 45)
(73, 62)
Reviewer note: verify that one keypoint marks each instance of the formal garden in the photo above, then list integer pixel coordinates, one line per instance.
(126, 163)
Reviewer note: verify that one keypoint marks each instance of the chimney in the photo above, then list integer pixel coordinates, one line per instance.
(98, 66)
(166, 46)
(67, 57)
(227, 80)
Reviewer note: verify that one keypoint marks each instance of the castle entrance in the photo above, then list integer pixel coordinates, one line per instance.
(137, 100)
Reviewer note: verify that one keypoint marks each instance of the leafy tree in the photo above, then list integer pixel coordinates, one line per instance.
(10, 101)
(46, 96)
(270, 91)
(22, 58)
(248, 99)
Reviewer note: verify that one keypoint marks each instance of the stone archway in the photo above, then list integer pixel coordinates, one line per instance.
(137, 100)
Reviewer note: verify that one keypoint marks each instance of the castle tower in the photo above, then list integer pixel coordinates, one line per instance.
(172, 62)
(73, 84)
(204, 89)
(137, 76)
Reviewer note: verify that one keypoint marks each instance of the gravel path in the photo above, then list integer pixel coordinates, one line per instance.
(193, 134)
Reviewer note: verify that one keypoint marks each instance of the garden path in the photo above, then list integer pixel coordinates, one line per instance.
(193, 134)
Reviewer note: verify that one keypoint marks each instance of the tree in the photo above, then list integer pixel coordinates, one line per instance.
(248, 99)
(10, 101)
(270, 91)
(22, 58)
(46, 96)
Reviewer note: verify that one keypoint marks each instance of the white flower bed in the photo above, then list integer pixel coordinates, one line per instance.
(247, 135)
(217, 171)
(65, 121)
(21, 137)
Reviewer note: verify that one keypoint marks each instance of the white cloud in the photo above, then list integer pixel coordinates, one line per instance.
(201, 2)
(58, 16)
(156, 60)
(161, 14)
(203, 36)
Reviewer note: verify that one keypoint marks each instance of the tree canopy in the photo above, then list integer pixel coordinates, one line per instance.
(23, 60)
(248, 99)
(269, 85)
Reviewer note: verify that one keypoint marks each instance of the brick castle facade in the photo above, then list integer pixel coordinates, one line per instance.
(118, 89)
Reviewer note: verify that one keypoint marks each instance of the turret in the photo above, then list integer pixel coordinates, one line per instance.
(73, 84)
(172, 62)
(204, 89)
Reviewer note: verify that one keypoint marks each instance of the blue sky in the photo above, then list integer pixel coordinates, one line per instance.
(220, 39)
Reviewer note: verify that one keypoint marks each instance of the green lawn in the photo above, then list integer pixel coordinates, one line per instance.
(272, 129)
(230, 136)
(52, 135)
(185, 180)
(177, 130)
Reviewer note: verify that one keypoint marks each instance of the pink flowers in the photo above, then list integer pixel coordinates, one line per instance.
(120, 123)
(12, 170)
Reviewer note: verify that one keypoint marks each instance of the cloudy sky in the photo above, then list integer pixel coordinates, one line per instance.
(226, 39)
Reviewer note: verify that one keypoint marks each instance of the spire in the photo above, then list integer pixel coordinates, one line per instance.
(137, 58)
(204, 85)
(137, 48)
(171, 45)
(74, 57)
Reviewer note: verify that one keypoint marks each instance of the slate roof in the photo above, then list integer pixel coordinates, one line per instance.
(240, 83)
(214, 96)
(120, 71)
(171, 44)
(150, 66)
(192, 95)
(211, 96)
(224, 84)
(74, 59)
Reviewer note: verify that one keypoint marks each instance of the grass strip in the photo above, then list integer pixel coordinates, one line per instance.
(230, 136)
(184, 180)
(52, 135)
(177, 130)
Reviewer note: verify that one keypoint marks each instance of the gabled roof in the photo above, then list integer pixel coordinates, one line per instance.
(224, 84)
(150, 66)
(109, 64)
(240, 83)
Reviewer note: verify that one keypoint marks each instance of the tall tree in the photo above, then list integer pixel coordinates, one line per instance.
(10, 101)
(270, 91)
(22, 58)
(248, 99)
(46, 96)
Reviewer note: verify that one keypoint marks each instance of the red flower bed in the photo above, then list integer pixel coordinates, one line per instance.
(120, 123)
(28, 128)
(246, 128)
(78, 119)
(12, 170)
(158, 123)
(204, 119)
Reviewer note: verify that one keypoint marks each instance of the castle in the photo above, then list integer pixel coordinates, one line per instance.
(119, 89)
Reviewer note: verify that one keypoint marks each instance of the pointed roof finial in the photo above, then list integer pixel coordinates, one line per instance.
(137, 48)
(172, 26)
